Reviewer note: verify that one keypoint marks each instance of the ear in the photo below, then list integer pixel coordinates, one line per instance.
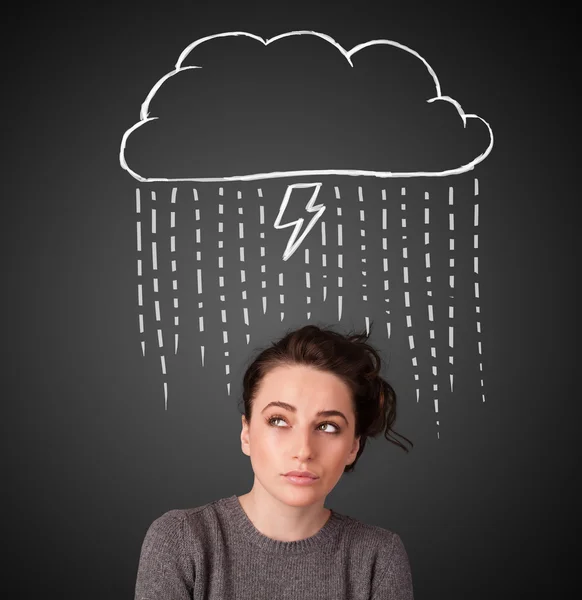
(244, 437)
(354, 451)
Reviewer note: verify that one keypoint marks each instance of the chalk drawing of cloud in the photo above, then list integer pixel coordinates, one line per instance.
(239, 107)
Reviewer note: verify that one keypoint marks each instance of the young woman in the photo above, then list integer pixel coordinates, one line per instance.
(311, 400)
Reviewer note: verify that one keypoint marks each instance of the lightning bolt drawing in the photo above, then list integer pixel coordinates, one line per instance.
(310, 207)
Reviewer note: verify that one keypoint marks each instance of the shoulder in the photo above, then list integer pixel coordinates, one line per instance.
(184, 526)
(182, 515)
(378, 544)
(173, 546)
(366, 534)
(384, 558)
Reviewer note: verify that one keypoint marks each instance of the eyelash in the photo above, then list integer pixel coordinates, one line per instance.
(277, 417)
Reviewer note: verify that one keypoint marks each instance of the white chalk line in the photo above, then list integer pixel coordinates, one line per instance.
(140, 319)
(281, 296)
(157, 308)
(430, 308)
(262, 236)
(405, 275)
(307, 282)
(363, 258)
(385, 263)
(339, 257)
(221, 283)
(451, 284)
(199, 272)
(476, 270)
(324, 259)
(174, 267)
(241, 235)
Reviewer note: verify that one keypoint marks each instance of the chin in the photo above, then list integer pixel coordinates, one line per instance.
(300, 502)
(300, 497)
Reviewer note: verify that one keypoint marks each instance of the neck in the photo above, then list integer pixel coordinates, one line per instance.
(280, 520)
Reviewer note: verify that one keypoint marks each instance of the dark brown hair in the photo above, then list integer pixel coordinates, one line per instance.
(351, 358)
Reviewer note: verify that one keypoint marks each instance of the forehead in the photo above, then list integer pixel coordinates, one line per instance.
(304, 387)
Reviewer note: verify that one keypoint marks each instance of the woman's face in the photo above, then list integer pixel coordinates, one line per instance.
(280, 439)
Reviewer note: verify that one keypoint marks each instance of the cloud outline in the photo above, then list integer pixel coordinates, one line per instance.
(145, 118)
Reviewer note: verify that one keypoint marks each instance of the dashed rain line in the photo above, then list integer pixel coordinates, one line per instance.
(307, 281)
(157, 302)
(323, 258)
(476, 269)
(340, 257)
(363, 259)
(199, 273)
(407, 294)
(221, 284)
(262, 236)
(241, 235)
(435, 386)
(451, 285)
(174, 269)
(139, 272)
(385, 261)
(281, 296)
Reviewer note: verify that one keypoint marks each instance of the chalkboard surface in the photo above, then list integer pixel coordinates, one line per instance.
(186, 182)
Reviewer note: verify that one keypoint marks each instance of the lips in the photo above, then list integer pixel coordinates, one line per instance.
(307, 474)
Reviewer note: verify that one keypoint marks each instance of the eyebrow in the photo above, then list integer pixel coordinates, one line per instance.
(321, 413)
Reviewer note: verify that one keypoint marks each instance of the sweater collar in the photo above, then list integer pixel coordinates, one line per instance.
(245, 528)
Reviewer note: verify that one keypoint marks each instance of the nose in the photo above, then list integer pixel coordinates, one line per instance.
(303, 446)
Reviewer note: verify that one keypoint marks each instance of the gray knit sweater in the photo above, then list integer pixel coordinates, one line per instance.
(214, 552)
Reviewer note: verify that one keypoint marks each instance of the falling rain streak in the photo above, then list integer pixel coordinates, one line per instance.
(199, 274)
(323, 259)
(451, 285)
(385, 261)
(307, 282)
(430, 308)
(363, 248)
(174, 267)
(340, 257)
(139, 273)
(406, 278)
(372, 214)
(157, 309)
(241, 235)
(221, 279)
(262, 236)
(476, 269)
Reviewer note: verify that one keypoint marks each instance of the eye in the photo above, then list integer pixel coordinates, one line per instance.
(336, 428)
(272, 422)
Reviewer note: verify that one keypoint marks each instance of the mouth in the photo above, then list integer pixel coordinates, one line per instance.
(301, 474)
(300, 479)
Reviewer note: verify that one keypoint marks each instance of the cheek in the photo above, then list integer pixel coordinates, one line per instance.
(265, 441)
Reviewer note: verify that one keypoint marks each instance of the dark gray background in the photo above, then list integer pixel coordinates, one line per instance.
(93, 457)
